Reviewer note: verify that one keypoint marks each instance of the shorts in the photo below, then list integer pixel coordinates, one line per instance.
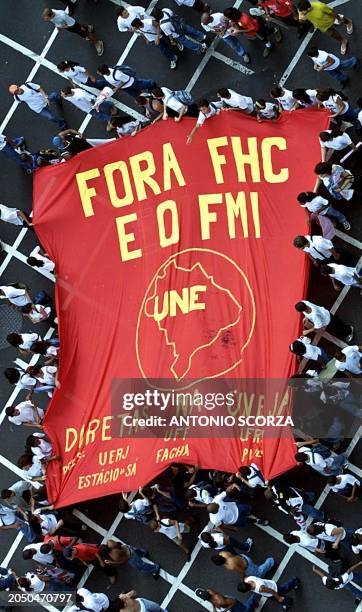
(79, 29)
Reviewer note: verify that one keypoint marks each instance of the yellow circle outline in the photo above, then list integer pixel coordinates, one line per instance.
(232, 262)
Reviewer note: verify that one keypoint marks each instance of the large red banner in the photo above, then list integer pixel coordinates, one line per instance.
(173, 261)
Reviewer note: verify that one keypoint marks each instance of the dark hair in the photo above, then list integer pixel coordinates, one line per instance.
(332, 480)
(300, 306)
(326, 270)
(312, 52)
(306, 196)
(157, 92)
(141, 100)
(331, 583)
(5, 493)
(323, 168)
(36, 263)
(224, 93)
(244, 587)
(206, 537)
(289, 538)
(12, 375)
(303, 5)
(24, 583)
(244, 471)
(28, 553)
(354, 539)
(298, 348)
(301, 457)
(40, 347)
(119, 120)
(26, 459)
(203, 102)
(14, 339)
(45, 548)
(300, 242)
(190, 494)
(330, 134)
(34, 524)
(136, 23)
(123, 505)
(32, 440)
(218, 559)
(27, 308)
(232, 13)
(277, 91)
(103, 69)
(302, 96)
(67, 64)
(67, 90)
(157, 14)
(324, 94)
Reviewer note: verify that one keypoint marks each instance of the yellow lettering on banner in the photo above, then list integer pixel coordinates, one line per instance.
(254, 198)
(106, 426)
(87, 193)
(207, 217)
(194, 296)
(71, 437)
(91, 431)
(170, 164)
(266, 147)
(109, 171)
(234, 208)
(174, 237)
(242, 159)
(217, 159)
(143, 176)
(125, 239)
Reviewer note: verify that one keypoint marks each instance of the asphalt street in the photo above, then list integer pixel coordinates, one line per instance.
(29, 50)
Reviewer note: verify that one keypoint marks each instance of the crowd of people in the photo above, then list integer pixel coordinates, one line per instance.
(182, 496)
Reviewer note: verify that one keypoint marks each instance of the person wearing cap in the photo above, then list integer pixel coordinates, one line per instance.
(38, 101)
(62, 21)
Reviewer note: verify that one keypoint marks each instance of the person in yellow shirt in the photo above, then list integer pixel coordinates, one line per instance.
(324, 18)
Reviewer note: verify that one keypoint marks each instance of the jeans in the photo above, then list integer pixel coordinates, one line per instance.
(333, 213)
(137, 562)
(104, 112)
(244, 511)
(325, 356)
(287, 586)
(12, 154)
(338, 73)
(193, 33)
(138, 86)
(337, 465)
(6, 581)
(350, 115)
(98, 83)
(309, 510)
(165, 50)
(235, 545)
(234, 43)
(25, 529)
(258, 570)
(150, 606)
(49, 114)
(248, 606)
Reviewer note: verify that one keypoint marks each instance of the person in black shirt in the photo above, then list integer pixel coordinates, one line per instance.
(71, 142)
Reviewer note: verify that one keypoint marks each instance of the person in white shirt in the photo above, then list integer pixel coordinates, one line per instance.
(342, 275)
(149, 29)
(251, 476)
(198, 5)
(269, 588)
(15, 295)
(224, 512)
(198, 495)
(317, 248)
(334, 140)
(349, 360)
(217, 540)
(126, 14)
(266, 110)
(125, 79)
(175, 103)
(355, 541)
(98, 602)
(39, 259)
(33, 468)
(39, 447)
(36, 312)
(318, 318)
(14, 216)
(62, 21)
(340, 182)
(179, 32)
(284, 98)
(305, 98)
(328, 62)
(340, 108)
(331, 465)
(23, 342)
(313, 203)
(206, 111)
(41, 553)
(26, 413)
(14, 497)
(234, 101)
(304, 540)
(85, 101)
(77, 74)
(173, 530)
(334, 583)
(38, 101)
(218, 24)
(346, 486)
(13, 149)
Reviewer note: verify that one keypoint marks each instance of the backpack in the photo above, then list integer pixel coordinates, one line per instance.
(183, 96)
(29, 87)
(125, 69)
(177, 23)
(322, 450)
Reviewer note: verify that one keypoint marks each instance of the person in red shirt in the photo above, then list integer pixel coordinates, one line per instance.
(60, 542)
(282, 10)
(86, 553)
(252, 28)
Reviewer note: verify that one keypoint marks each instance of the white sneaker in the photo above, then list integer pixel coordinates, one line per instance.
(203, 48)
(100, 47)
(180, 46)
(173, 64)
